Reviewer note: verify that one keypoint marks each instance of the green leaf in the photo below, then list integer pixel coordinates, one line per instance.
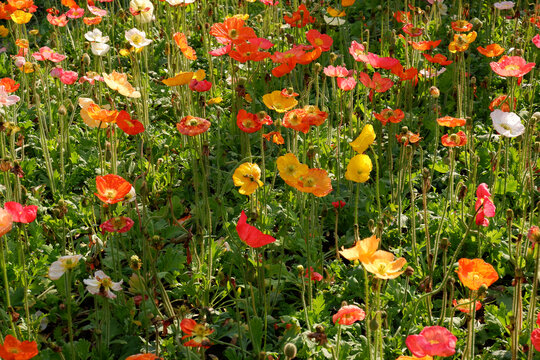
(256, 330)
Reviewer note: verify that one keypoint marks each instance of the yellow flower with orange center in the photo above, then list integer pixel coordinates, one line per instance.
(278, 102)
(20, 17)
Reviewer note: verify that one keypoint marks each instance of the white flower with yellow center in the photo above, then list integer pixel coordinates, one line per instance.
(137, 38)
(63, 264)
(102, 285)
(507, 123)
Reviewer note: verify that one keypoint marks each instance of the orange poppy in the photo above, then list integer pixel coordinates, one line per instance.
(9, 85)
(451, 121)
(275, 137)
(454, 140)
(248, 122)
(13, 349)
(92, 20)
(248, 52)
(412, 30)
(21, 4)
(403, 17)
(6, 10)
(424, 45)
(111, 188)
(299, 18)
(475, 273)
(191, 125)
(492, 50)
(362, 249)
(232, 30)
(181, 40)
(314, 116)
(70, 4)
(6, 222)
(462, 26)
(315, 181)
(118, 81)
(102, 115)
(437, 59)
(22, 43)
(294, 119)
(461, 42)
(408, 137)
(501, 102)
(318, 40)
(394, 116)
(143, 357)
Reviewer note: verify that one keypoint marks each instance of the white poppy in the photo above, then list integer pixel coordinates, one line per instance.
(102, 284)
(507, 123)
(99, 49)
(63, 264)
(335, 21)
(96, 36)
(143, 10)
(504, 5)
(137, 38)
(180, 2)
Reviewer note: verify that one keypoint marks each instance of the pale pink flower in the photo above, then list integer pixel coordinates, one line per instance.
(336, 71)
(6, 99)
(45, 53)
(102, 285)
(69, 77)
(347, 83)
(75, 13)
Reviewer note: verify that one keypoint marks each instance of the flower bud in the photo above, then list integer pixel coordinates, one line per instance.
(435, 92)
(409, 271)
(290, 350)
(135, 263)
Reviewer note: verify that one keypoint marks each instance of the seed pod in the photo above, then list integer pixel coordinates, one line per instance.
(290, 350)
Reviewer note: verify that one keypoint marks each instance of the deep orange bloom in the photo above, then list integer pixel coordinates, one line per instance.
(191, 125)
(294, 119)
(407, 138)
(454, 140)
(403, 17)
(21, 4)
(462, 26)
(451, 121)
(314, 116)
(247, 51)
(101, 115)
(275, 137)
(424, 45)
(315, 181)
(9, 85)
(181, 40)
(199, 332)
(394, 116)
(492, 50)
(111, 188)
(13, 349)
(6, 10)
(513, 66)
(501, 102)
(92, 20)
(437, 59)
(299, 18)
(232, 30)
(475, 273)
(248, 122)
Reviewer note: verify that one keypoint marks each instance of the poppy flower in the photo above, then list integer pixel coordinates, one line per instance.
(63, 264)
(404, 357)
(248, 52)
(432, 341)
(315, 276)
(143, 357)
(356, 50)
(118, 81)
(514, 66)
(348, 315)
(247, 176)
(248, 122)
(377, 61)
(504, 5)
(199, 332)
(250, 235)
(191, 125)
(299, 18)
(314, 181)
(451, 121)
(346, 84)
(290, 168)
(378, 83)
(358, 168)
(119, 224)
(424, 45)
(21, 214)
(534, 236)
(461, 26)
(384, 265)
(13, 349)
(461, 42)
(412, 30)
(454, 140)
(338, 204)
(492, 50)
(45, 53)
(336, 71)
(362, 249)
(232, 31)
(403, 17)
(111, 188)
(464, 305)
(318, 40)
(408, 137)
(364, 140)
(200, 86)
(536, 40)
(75, 13)
(314, 116)
(507, 124)
(6, 222)
(437, 59)
(59, 21)
(502, 102)
(10, 86)
(389, 115)
(181, 40)
(475, 273)
(21, 17)
(295, 119)
(102, 115)
(405, 74)
(484, 207)
(102, 285)
(128, 125)
(275, 137)
(181, 78)
(535, 339)
(276, 101)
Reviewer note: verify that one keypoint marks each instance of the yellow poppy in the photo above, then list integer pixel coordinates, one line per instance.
(4, 31)
(290, 168)
(247, 176)
(278, 102)
(359, 168)
(366, 138)
(181, 78)
(335, 13)
(21, 17)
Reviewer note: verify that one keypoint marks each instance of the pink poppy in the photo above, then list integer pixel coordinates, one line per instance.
(91, 78)
(69, 77)
(357, 49)
(59, 21)
(221, 51)
(262, 43)
(347, 83)
(21, 214)
(200, 86)
(484, 203)
(45, 53)
(97, 11)
(413, 31)
(120, 224)
(336, 71)
(378, 62)
(57, 72)
(315, 276)
(536, 40)
(348, 315)
(75, 13)
(432, 341)
(250, 234)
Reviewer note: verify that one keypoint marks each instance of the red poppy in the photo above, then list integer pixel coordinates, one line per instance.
(232, 30)
(200, 86)
(535, 339)
(405, 74)
(143, 356)
(248, 122)
(454, 140)
(13, 349)
(21, 214)
(437, 59)
(221, 51)
(501, 102)
(403, 17)
(432, 341)
(394, 116)
(249, 234)
(111, 188)
(299, 18)
(9, 85)
(378, 83)
(348, 315)
(514, 66)
(248, 51)
(128, 125)
(451, 121)
(413, 31)
(199, 332)
(315, 276)
(318, 40)
(294, 119)
(338, 204)
(119, 224)
(424, 45)
(191, 125)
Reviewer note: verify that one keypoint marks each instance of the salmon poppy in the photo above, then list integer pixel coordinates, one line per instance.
(424, 45)
(119, 224)
(336, 71)
(13, 349)
(389, 115)
(248, 177)
(9, 85)
(356, 50)
(432, 341)
(295, 119)
(181, 40)
(248, 52)
(346, 84)
(454, 140)
(128, 125)
(502, 102)
(290, 168)
(362, 249)
(536, 40)
(348, 315)
(378, 83)
(96, 20)
(513, 66)
(377, 61)
(198, 332)
(6, 222)
(314, 181)
(275, 137)
(276, 101)
(384, 265)
(21, 214)
(464, 305)
(232, 31)
(412, 30)
(318, 40)
(475, 273)
(437, 59)
(248, 122)
(96, 113)
(492, 50)
(408, 137)
(451, 121)
(314, 116)
(118, 82)
(143, 357)
(112, 188)
(250, 235)
(299, 18)
(461, 26)
(191, 125)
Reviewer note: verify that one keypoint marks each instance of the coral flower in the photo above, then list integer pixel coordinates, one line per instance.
(63, 264)
(464, 305)
(484, 207)
(348, 315)
(295, 119)
(437, 59)
(248, 122)
(451, 121)
(59, 21)
(359, 168)
(492, 50)
(336, 71)
(514, 66)
(276, 101)
(118, 81)
(6, 222)
(290, 168)
(181, 40)
(21, 214)
(275, 137)
(346, 84)
(364, 140)
(102, 285)
(232, 31)
(318, 40)
(248, 52)
(378, 62)
(128, 125)
(362, 249)
(403, 17)
(356, 50)
(462, 26)
(536, 40)
(394, 116)
(313, 275)
(119, 224)
(299, 18)
(250, 235)
(378, 83)
(199, 332)
(314, 116)
(92, 20)
(502, 102)
(315, 181)
(13, 349)
(247, 176)
(191, 125)
(143, 357)
(475, 273)
(384, 265)
(507, 124)
(408, 137)
(424, 45)
(200, 86)
(404, 357)
(413, 31)
(432, 341)
(454, 140)
(111, 188)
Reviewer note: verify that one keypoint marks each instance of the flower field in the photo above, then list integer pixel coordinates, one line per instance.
(269, 179)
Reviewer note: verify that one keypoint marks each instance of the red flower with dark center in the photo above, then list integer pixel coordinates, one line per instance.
(250, 235)
(394, 116)
(13, 349)
(120, 224)
(248, 122)
(21, 214)
(128, 125)
(191, 125)
(454, 140)
(111, 188)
